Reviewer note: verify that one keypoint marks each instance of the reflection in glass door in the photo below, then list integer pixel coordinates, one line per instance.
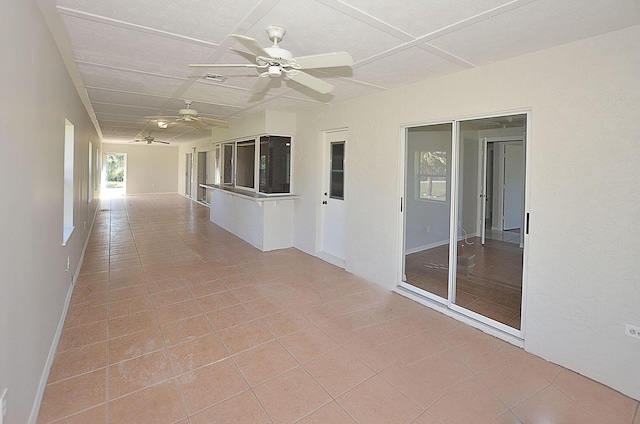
(428, 208)
(479, 277)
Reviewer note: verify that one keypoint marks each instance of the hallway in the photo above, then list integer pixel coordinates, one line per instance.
(174, 320)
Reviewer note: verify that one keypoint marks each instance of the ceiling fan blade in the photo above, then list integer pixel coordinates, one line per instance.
(261, 84)
(198, 124)
(224, 65)
(216, 122)
(252, 45)
(163, 142)
(307, 80)
(328, 60)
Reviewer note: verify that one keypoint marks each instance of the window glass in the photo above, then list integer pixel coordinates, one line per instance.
(245, 167)
(336, 184)
(432, 175)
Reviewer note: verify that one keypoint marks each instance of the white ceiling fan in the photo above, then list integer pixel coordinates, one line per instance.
(187, 116)
(276, 62)
(149, 139)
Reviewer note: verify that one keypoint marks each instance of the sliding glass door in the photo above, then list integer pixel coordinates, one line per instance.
(464, 216)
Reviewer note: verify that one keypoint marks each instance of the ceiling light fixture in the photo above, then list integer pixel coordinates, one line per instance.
(163, 124)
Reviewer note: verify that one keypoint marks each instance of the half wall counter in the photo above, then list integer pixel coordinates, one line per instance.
(264, 221)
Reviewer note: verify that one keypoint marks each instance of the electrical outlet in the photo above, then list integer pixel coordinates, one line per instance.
(632, 331)
(3, 405)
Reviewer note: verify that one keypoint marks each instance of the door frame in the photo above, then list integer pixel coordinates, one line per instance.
(327, 138)
(481, 322)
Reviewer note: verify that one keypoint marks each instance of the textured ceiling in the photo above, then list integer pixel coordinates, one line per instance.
(132, 56)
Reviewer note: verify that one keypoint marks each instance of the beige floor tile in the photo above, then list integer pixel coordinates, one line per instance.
(135, 344)
(73, 395)
(85, 313)
(210, 385)
(418, 346)
(132, 323)
(427, 380)
(97, 414)
(552, 406)
(480, 405)
(244, 336)
(291, 396)
(196, 353)
(265, 306)
(595, 398)
(82, 335)
(130, 306)
(519, 377)
(264, 362)
(158, 404)
(307, 344)
(285, 322)
(187, 329)
(177, 311)
(138, 373)
(242, 408)
(377, 402)
(229, 317)
(330, 413)
(338, 371)
(78, 361)
(216, 301)
(169, 297)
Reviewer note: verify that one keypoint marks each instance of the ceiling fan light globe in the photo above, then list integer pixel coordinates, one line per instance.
(274, 71)
(163, 124)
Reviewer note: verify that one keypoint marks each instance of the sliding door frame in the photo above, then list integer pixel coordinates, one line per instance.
(448, 306)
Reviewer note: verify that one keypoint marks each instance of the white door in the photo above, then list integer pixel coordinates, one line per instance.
(334, 209)
(513, 198)
(188, 175)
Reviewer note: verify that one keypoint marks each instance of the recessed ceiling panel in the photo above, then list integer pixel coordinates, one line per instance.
(104, 44)
(420, 17)
(538, 25)
(96, 76)
(414, 64)
(117, 97)
(201, 19)
(313, 28)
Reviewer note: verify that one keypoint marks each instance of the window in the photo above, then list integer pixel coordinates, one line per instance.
(275, 164)
(336, 184)
(67, 215)
(268, 158)
(245, 163)
(227, 164)
(431, 175)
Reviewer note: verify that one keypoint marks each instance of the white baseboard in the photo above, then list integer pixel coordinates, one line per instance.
(33, 417)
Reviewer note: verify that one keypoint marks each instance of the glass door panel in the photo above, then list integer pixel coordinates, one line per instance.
(488, 277)
(427, 203)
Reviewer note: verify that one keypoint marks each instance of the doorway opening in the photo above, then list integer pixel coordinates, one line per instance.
(464, 208)
(115, 179)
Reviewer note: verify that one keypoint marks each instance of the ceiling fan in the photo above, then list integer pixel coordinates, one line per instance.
(149, 139)
(276, 62)
(187, 116)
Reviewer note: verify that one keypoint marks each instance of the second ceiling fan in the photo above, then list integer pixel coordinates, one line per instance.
(276, 62)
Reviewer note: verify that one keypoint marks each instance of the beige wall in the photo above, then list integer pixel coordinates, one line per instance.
(37, 96)
(150, 169)
(582, 262)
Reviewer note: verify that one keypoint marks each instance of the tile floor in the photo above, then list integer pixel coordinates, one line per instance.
(174, 320)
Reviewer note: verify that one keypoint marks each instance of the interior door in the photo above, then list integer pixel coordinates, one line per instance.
(188, 175)
(513, 186)
(334, 203)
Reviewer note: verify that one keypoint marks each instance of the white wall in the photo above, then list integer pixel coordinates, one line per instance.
(584, 201)
(37, 96)
(150, 169)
